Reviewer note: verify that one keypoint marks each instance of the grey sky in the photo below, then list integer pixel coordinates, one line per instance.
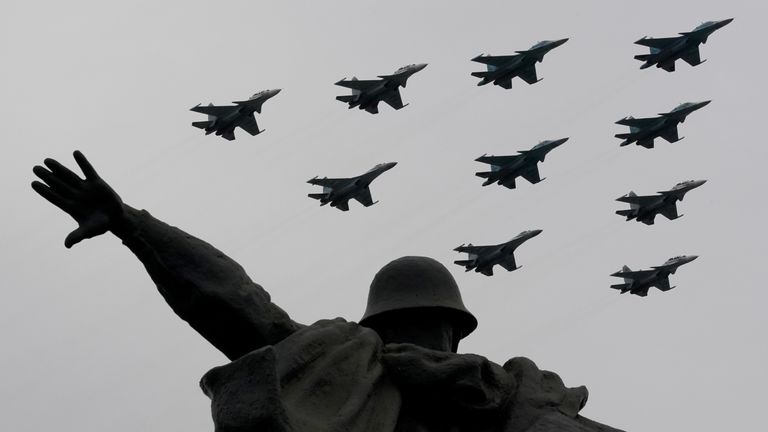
(88, 343)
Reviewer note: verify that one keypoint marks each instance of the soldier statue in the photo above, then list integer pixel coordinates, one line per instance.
(396, 370)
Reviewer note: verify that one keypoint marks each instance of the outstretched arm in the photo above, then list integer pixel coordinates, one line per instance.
(202, 285)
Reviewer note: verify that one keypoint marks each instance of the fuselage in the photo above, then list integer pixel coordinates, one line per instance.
(521, 62)
(684, 44)
(660, 276)
(356, 185)
(530, 157)
(240, 111)
(386, 88)
(502, 251)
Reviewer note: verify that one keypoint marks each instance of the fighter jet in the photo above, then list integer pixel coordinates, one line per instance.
(224, 119)
(665, 51)
(638, 282)
(645, 208)
(505, 169)
(366, 94)
(339, 191)
(483, 258)
(501, 69)
(644, 130)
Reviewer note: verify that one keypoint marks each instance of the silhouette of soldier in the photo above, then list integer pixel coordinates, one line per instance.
(395, 371)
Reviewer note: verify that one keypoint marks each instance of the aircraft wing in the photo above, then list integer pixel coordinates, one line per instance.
(343, 205)
(658, 43)
(361, 85)
(249, 125)
(642, 293)
(529, 75)
(509, 263)
(495, 60)
(693, 57)
(229, 135)
(364, 197)
(668, 66)
(505, 83)
(474, 250)
(509, 183)
(532, 174)
(216, 111)
(331, 183)
(638, 122)
(663, 284)
(670, 212)
(498, 160)
(670, 134)
(394, 100)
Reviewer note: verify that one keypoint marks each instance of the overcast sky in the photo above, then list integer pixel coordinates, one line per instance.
(88, 343)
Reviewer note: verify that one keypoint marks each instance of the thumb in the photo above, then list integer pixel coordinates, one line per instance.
(75, 237)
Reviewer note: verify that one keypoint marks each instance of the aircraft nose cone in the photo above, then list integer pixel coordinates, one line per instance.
(420, 66)
(561, 41)
(536, 232)
(725, 22)
(703, 104)
(390, 165)
(692, 257)
(698, 183)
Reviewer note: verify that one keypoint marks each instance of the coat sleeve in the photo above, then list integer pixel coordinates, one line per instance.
(205, 287)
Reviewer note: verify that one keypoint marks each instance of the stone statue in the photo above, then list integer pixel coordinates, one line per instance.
(396, 370)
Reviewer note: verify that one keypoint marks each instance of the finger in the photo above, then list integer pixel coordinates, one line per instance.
(86, 166)
(53, 182)
(64, 173)
(75, 237)
(52, 196)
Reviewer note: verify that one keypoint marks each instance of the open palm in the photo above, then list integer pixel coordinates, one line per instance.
(90, 201)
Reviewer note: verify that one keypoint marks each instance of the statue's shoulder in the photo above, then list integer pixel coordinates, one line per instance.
(542, 402)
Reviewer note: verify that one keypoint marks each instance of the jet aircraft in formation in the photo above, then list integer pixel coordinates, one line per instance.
(501, 69)
(643, 131)
(224, 119)
(638, 282)
(645, 208)
(483, 258)
(505, 169)
(665, 51)
(339, 191)
(366, 94)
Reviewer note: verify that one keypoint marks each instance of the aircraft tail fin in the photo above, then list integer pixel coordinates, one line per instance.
(484, 174)
(355, 92)
(630, 214)
(643, 57)
(202, 124)
(633, 205)
(465, 263)
(479, 74)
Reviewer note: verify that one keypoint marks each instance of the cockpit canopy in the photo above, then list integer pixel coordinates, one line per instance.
(704, 25)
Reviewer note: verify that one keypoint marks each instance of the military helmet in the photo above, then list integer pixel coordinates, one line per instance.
(417, 282)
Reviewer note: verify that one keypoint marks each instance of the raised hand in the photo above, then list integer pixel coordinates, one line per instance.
(91, 202)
